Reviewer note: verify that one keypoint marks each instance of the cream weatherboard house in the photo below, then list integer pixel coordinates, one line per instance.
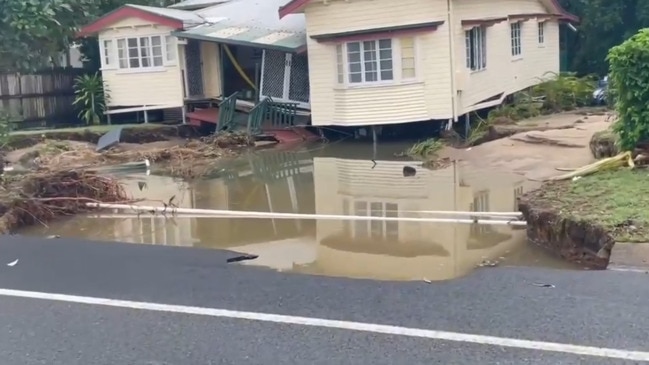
(375, 62)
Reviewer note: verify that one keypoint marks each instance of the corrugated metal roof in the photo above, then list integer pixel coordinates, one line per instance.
(196, 4)
(188, 18)
(254, 23)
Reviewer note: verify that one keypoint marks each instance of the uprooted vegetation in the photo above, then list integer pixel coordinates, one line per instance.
(181, 158)
(41, 197)
(427, 152)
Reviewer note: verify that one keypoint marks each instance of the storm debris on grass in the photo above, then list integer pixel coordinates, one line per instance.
(41, 197)
(187, 158)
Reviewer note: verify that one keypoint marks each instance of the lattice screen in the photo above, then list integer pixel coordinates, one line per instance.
(299, 80)
(194, 68)
(273, 74)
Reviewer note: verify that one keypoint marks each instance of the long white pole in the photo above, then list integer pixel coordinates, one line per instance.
(249, 214)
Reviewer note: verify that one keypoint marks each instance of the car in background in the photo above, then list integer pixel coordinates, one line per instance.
(601, 92)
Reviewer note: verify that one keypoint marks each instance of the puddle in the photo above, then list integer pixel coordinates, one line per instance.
(321, 182)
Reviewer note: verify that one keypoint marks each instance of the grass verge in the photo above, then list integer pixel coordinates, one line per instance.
(617, 200)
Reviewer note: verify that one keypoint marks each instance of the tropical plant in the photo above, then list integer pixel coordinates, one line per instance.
(629, 78)
(91, 98)
(5, 129)
(566, 91)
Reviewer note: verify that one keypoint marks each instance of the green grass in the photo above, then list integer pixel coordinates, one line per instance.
(94, 129)
(617, 200)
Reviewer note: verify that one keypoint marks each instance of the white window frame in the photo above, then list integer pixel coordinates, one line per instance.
(475, 40)
(377, 229)
(115, 53)
(342, 62)
(541, 33)
(515, 35)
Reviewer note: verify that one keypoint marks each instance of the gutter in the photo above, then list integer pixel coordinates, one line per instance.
(449, 8)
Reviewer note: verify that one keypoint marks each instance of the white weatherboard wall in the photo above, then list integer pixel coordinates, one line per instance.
(503, 73)
(341, 180)
(129, 88)
(427, 97)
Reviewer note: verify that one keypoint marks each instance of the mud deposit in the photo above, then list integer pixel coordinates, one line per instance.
(128, 135)
(575, 240)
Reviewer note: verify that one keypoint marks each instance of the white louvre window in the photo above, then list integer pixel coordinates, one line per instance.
(541, 32)
(369, 61)
(516, 39)
(171, 49)
(476, 48)
(108, 54)
(340, 64)
(408, 70)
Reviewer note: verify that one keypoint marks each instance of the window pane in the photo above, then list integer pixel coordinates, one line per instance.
(369, 56)
(171, 48)
(355, 78)
(408, 73)
(354, 67)
(156, 41)
(132, 42)
(134, 63)
(408, 42)
(353, 47)
(369, 46)
(145, 51)
(353, 57)
(385, 54)
(157, 61)
(386, 65)
(157, 51)
(385, 43)
(132, 53)
(386, 75)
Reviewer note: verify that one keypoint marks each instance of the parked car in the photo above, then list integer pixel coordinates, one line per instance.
(600, 93)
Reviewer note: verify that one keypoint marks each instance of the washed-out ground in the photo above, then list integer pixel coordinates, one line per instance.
(609, 199)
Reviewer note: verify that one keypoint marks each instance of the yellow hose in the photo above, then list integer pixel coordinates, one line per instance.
(238, 67)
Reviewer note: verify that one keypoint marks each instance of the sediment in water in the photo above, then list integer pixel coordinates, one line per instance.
(574, 240)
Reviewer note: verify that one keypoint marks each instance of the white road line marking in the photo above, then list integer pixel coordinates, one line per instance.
(345, 325)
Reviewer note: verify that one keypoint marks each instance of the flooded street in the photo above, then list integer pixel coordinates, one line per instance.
(321, 181)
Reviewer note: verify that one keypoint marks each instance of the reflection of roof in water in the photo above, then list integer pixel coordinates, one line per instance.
(382, 246)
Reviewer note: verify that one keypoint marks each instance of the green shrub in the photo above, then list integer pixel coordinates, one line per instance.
(561, 92)
(629, 78)
(91, 98)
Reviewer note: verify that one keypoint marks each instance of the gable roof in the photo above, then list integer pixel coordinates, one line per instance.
(173, 18)
(296, 5)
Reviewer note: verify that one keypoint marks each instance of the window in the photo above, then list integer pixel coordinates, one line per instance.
(541, 32)
(480, 204)
(142, 52)
(408, 70)
(516, 38)
(476, 48)
(377, 229)
(369, 61)
(518, 192)
(171, 48)
(340, 64)
(107, 53)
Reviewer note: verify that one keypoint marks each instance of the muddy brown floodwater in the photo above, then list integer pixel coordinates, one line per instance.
(322, 181)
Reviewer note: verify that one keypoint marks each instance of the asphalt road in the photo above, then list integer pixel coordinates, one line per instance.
(595, 309)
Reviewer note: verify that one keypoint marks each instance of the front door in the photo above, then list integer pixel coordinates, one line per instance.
(285, 77)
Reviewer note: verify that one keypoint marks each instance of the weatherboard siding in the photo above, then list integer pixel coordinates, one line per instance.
(504, 74)
(428, 97)
(131, 89)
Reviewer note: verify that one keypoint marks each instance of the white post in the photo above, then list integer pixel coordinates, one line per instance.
(146, 115)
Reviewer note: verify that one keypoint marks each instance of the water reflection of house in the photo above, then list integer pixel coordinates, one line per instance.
(405, 250)
(273, 181)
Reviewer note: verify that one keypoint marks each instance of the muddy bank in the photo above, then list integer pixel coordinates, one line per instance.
(572, 239)
(138, 134)
(42, 197)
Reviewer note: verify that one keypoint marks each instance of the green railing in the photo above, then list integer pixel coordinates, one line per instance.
(226, 113)
(273, 114)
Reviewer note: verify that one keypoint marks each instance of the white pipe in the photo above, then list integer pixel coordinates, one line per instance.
(247, 214)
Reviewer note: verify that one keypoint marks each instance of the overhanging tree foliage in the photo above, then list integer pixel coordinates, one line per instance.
(629, 77)
(33, 32)
(604, 24)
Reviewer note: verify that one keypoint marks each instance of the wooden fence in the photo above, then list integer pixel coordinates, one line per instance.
(43, 99)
